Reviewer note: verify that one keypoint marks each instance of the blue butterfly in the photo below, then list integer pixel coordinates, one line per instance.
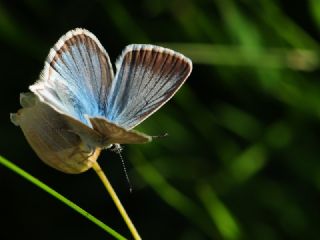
(78, 107)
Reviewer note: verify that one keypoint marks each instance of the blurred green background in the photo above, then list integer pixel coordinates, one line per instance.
(242, 157)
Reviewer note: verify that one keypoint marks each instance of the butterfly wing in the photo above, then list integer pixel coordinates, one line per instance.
(77, 76)
(113, 133)
(147, 77)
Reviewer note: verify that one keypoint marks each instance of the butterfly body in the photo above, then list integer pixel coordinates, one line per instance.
(79, 107)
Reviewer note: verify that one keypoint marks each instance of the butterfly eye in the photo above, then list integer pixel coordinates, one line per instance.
(116, 148)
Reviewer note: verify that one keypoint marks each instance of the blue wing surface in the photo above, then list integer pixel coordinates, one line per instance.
(147, 77)
(77, 76)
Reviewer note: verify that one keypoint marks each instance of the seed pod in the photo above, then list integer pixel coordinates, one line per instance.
(52, 138)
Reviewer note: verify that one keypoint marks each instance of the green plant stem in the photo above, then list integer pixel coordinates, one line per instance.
(116, 200)
(57, 195)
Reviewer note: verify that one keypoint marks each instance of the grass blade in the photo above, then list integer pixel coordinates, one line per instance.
(57, 195)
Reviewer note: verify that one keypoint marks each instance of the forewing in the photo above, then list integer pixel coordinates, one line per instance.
(77, 76)
(147, 77)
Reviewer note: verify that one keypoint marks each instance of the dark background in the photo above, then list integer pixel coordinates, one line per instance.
(242, 157)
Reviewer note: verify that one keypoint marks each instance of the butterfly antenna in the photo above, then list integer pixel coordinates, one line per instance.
(118, 150)
(160, 136)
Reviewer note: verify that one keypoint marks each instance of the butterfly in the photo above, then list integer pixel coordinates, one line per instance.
(79, 107)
